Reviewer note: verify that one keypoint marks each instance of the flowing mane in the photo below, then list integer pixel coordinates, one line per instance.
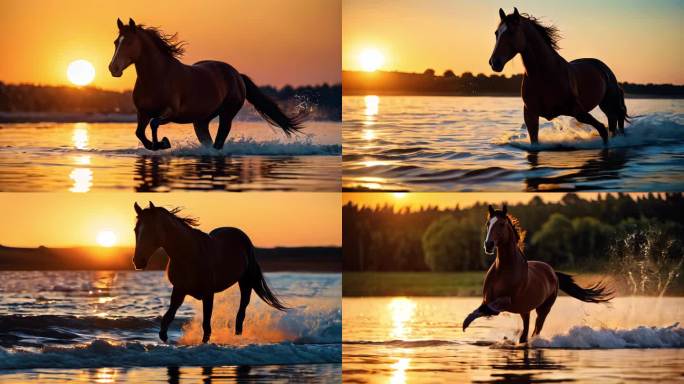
(168, 44)
(517, 228)
(187, 221)
(549, 33)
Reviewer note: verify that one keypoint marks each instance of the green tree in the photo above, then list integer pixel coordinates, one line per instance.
(451, 245)
(552, 241)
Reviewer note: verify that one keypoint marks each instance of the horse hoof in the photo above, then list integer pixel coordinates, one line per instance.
(163, 337)
(164, 143)
(205, 339)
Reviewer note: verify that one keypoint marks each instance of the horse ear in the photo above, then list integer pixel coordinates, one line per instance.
(151, 205)
(137, 208)
(502, 14)
(491, 210)
(119, 23)
(515, 12)
(505, 209)
(131, 23)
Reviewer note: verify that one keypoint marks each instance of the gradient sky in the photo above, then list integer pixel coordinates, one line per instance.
(269, 218)
(642, 41)
(415, 200)
(276, 42)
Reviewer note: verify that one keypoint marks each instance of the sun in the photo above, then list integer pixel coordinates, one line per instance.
(106, 238)
(371, 59)
(80, 72)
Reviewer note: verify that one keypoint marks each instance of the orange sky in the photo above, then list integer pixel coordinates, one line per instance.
(415, 200)
(276, 42)
(269, 218)
(642, 41)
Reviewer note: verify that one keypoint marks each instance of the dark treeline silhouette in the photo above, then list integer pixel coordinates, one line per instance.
(325, 99)
(574, 233)
(467, 84)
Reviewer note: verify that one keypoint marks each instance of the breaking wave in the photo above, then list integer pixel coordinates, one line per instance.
(640, 337)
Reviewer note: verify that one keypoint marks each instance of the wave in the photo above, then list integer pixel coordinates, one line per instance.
(100, 353)
(566, 134)
(584, 337)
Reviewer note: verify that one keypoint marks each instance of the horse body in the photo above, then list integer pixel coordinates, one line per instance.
(167, 90)
(200, 264)
(514, 284)
(552, 86)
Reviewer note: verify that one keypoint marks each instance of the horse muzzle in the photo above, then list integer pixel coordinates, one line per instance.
(489, 247)
(115, 70)
(496, 64)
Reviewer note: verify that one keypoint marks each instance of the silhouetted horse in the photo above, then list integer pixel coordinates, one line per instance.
(516, 285)
(551, 86)
(200, 264)
(167, 90)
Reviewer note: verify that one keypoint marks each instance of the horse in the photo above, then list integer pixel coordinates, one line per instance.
(551, 86)
(514, 284)
(167, 90)
(200, 264)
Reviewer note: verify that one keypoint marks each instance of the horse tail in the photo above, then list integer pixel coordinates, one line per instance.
(616, 88)
(258, 282)
(597, 293)
(270, 111)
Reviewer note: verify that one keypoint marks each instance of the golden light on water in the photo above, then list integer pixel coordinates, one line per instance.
(82, 178)
(368, 134)
(80, 72)
(402, 310)
(399, 195)
(371, 103)
(399, 373)
(106, 238)
(371, 59)
(79, 136)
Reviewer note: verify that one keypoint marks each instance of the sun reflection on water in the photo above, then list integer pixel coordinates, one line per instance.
(371, 102)
(402, 310)
(83, 180)
(399, 374)
(80, 136)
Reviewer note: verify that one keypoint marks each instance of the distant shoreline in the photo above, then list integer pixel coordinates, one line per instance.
(62, 117)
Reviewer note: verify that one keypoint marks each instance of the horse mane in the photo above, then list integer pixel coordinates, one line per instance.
(168, 44)
(185, 220)
(549, 33)
(518, 230)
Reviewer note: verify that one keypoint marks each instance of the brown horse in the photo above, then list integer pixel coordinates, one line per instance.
(551, 86)
(167, 90)
(516, 285)
(200, 264)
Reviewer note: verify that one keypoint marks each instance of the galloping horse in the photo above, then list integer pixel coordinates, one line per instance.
(167, 90)
(516, 285)
(200, 264)
(551, 86)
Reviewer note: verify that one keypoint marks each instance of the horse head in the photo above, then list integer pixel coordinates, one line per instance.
(127, 47)
(510, 40)
(499, 229)
(149, 235)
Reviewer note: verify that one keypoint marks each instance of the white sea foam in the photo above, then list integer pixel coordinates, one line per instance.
(585, 337)
(100, 353)
(565, 133)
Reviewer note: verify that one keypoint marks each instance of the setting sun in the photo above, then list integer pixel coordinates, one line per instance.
(81, 72)
(371, 60)
(106, 238)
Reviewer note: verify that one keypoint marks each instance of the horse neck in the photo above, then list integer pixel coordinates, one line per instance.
(153, 65)
(538, 57)
(178, 243)
(508, 257)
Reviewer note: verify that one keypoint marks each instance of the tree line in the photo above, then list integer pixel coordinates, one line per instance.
(323, 100)
(467, 84)
(574, 233)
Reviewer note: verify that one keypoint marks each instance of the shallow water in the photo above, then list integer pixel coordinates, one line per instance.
(75, 325)
(81, 157)
(481, 144)
(419, 340)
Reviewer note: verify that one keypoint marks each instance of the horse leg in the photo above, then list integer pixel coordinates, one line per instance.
(586, 118)
(542, 311)
(225, 123)
(490, 309)
(532, 123)
(154, 124)
(140, 131)
(202, 132)
(177, 298)
(612, 116)
(621, 125)
(207, 308)
(245, 295)
(526, 327)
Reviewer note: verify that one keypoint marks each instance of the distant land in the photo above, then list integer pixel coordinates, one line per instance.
(43, 103)
(307, 259)
(429, 83)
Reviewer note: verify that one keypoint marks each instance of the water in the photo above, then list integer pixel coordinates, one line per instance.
(86, 325)
(419, 340)
(81, 157)
(481, 144)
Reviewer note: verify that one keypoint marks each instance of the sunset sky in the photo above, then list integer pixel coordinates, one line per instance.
(275, 42)
(269, 218)
(642, 41)
(449, 200)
